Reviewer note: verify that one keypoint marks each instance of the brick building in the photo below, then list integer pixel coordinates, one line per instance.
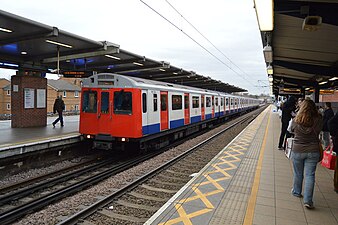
(70, 92)
(68, 88)
(5, 96)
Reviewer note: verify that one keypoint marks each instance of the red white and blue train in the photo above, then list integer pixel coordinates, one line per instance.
(118, 110)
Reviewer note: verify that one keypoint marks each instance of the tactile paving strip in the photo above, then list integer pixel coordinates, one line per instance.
(220, 194)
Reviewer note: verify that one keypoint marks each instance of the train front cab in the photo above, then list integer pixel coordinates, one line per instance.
(108, 115)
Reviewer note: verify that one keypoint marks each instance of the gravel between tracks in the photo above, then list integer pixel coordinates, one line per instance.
(54, 213)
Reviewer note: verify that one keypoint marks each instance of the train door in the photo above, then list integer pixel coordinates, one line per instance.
(202, 108)
(186, 109)
(164, 110)
(145, 114)
(104, 113)
(213, 107)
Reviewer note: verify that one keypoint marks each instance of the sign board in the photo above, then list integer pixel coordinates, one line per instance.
(77, 74)
(29, 98)
(40, 98)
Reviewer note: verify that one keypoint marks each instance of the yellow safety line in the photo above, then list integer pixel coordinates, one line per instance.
(253, 197)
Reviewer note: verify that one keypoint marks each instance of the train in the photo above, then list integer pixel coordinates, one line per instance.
(118, 111)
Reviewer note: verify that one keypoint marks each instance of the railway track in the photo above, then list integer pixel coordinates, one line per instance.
(139, 200)
(28, 199)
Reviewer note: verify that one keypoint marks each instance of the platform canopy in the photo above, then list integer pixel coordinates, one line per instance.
(33, 47)
(304, 44)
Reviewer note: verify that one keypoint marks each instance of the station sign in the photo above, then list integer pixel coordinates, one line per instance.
(77, 74)
(326, 92)
(290, 91)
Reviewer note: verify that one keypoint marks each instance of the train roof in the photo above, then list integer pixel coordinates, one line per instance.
(109, 80)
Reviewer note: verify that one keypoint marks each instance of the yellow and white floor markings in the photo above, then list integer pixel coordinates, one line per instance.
(215, 179)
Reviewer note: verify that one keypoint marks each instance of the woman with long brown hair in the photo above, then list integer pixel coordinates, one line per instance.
(305, 154)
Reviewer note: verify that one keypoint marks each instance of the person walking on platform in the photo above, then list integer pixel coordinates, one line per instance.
(288, 108)
(327, 115)
(333, 128)
(305, 154)
(58, 107)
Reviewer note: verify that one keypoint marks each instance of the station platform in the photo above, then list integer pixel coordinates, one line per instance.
(249, 182)
(16, 141)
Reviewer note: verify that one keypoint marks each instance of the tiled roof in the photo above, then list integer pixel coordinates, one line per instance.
(62, 85)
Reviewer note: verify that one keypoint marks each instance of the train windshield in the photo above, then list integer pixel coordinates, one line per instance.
(89, 102)
(122, 102)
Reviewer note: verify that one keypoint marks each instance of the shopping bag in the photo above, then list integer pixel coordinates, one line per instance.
(288, 147)
(329, 158)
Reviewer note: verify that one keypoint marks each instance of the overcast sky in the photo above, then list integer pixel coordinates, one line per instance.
(230, 25)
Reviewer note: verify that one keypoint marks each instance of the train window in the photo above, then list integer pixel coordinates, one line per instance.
(208, 102)
(235, 101)
(195, 102)
(155, 102)
(226, 101)
(222, 101)
(164, 103)
(231, 101)
(122, 102)
(216, 100)
(177, 102)
(89, 102)
(104, 102)
(186, 102)
(144, 102)
(213, 101)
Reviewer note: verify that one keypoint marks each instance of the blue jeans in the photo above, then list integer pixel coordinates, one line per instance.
(60, 118)
(304, 162)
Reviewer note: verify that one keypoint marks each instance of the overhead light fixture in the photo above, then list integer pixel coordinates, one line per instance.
(333, 78)
(312, 23)
(59, 44)
(23, 53)
(269, 69)
(136, 63)
(264, 13)
(270, 78)
(112, 57)
(268, 56)
(5, 30)
(162, 70)
(307, 88)
(321, 83)
(175, 73)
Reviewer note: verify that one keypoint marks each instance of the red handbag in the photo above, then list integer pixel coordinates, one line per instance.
(329, 158)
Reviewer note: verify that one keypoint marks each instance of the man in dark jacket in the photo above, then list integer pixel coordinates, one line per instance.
(288, 108)
(328, 114)
(333, 128)
(58, 107)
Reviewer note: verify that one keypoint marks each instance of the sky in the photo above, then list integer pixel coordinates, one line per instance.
(230, 25)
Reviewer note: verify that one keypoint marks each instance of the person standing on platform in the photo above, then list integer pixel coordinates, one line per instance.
(305, 154)
(327, 115)
(288, 108)
(333, 128)
(58, 107)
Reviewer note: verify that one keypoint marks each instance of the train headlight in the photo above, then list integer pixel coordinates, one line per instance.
(123, 139)
(88, 136)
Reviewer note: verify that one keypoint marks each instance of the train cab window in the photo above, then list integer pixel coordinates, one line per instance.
(104, 102)
(208, 102)
(164, 103)
(155, 102)
(177, 102)
(89, 102)
(122, 102)
(144, 102)
(195, 102)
